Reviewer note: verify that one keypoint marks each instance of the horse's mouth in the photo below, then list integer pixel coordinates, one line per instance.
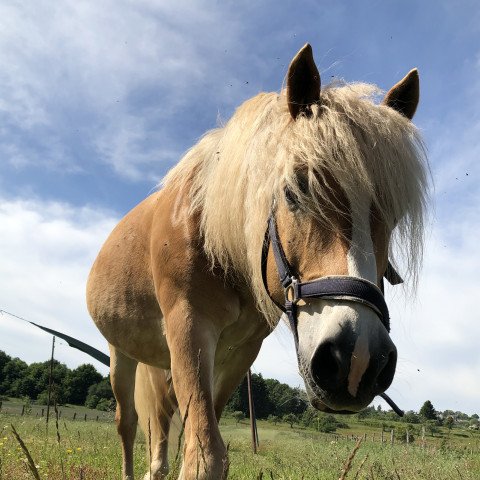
(325, 401)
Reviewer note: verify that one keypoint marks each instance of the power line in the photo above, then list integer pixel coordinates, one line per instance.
(72, 342)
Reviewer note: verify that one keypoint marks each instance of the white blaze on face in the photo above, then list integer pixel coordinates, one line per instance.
(321, 320)
(361, 256)
(361, 263)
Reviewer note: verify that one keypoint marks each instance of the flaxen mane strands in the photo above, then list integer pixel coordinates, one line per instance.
(240, 168)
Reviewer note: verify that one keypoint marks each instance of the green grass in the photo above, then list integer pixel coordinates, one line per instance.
(90, 450)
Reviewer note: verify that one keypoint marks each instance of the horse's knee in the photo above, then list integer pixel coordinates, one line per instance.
(126, 422)
(205, 462)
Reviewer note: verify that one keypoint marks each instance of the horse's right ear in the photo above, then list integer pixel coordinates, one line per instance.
(303, 83)
(403, 96)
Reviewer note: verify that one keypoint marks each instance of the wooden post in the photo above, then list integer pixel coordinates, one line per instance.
(383, 436)
(392, 436)
(364, 437)
(423, 436)
(85, 419)
(50, 380)
(250, 405)
(74, 415)
(23, 409)
(43, 411)
(408, 437)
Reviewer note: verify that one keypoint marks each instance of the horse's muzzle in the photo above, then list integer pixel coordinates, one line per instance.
(346, 371)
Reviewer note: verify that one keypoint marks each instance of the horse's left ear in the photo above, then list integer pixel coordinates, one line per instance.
(403, 97)
(303, 82)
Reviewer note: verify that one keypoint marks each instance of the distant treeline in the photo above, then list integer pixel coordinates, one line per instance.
(80, 386)
(273, 400)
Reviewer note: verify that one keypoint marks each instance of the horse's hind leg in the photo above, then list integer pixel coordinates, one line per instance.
(122, 378)
(155, 403)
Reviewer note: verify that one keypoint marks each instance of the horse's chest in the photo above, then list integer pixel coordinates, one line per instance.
(250, 327)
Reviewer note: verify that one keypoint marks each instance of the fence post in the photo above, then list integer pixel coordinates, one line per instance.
(43, 410)
(423, 436)
(408, 437)
(74, 415)
(383, 436)
(392, 436)
(23, 409)
(85, 419)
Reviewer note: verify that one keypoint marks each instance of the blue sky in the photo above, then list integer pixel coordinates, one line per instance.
(99, 99)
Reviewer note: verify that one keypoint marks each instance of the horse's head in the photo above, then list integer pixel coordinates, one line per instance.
(329, 226)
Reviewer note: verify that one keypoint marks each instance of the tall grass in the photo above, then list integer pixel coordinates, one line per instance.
(91, 450)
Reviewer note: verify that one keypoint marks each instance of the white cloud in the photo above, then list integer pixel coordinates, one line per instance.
(47, 249)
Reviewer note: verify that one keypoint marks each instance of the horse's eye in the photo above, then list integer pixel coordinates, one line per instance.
(291, 198)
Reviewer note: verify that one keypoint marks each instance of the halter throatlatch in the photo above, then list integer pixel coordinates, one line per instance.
(344, 288)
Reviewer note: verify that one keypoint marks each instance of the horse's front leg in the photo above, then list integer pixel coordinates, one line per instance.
(192, 340)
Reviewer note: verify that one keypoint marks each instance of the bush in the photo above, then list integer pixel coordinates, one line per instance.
(238, 416)
(401, 434)
(273, 419)
(106, 405)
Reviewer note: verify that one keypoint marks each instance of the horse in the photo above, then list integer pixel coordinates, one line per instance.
(295, 206)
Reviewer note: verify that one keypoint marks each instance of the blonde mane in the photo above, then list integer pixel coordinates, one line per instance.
(236, 171)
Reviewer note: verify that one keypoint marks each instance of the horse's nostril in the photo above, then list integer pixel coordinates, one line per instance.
(385, 376)
(326, 366)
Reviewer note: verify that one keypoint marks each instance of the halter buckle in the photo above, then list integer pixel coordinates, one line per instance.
(291, 291)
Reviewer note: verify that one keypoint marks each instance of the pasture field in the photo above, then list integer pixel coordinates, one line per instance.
(89, 450)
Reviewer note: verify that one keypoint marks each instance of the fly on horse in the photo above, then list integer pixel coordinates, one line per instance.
(294, 205)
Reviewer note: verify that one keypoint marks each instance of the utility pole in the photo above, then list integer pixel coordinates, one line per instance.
(50, 380)
(252, 412)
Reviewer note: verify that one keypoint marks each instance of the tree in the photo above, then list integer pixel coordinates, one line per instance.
(4, 359)
(97, 392)
(449, 421)
(427, 411)
(261, 399)
(328, 423)
(238, 416)
(290, 418)
(273, 419)
(432, 427)
(12, 373)
(411, 417)
(78, 382)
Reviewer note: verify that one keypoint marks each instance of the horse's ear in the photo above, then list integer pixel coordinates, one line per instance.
(403, 97)
(303, 82)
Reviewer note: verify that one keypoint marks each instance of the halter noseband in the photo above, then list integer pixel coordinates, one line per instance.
(344, 288)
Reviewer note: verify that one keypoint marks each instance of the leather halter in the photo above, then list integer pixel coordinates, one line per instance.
(343, 288)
